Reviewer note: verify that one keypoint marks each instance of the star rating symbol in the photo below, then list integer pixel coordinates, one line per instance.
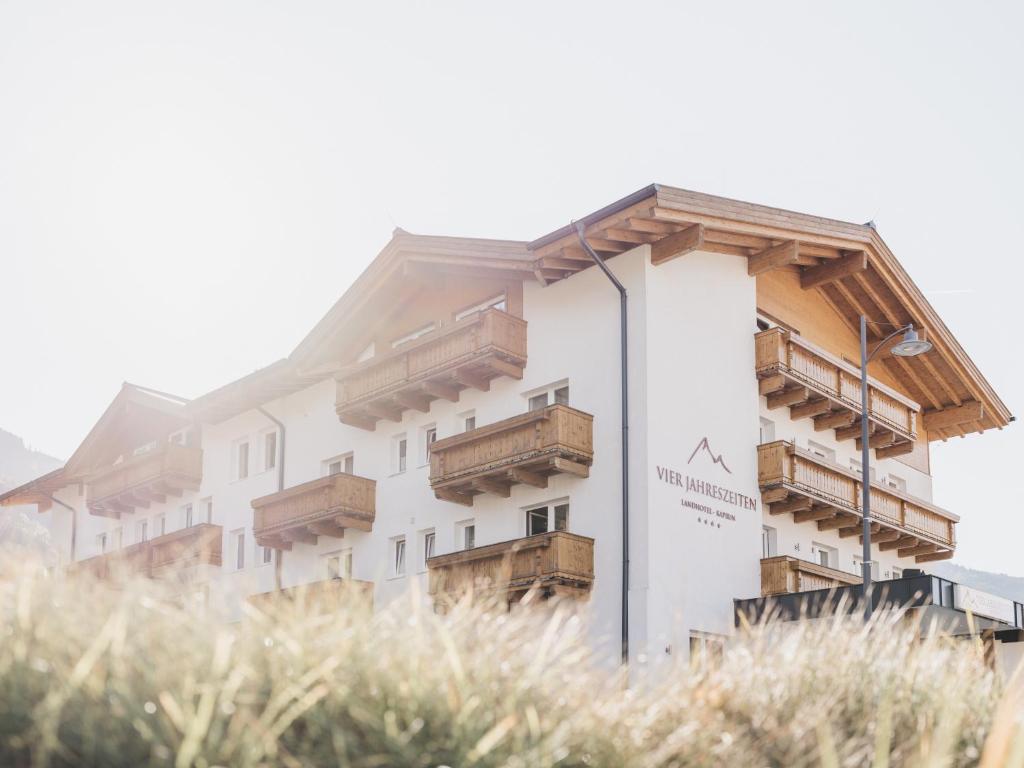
(705, 521)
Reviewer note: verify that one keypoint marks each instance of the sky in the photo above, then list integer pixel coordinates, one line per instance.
(187, 187)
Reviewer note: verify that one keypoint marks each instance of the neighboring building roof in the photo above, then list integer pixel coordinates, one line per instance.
(38, 491)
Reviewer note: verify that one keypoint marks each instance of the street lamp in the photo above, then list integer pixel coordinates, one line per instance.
(910, 346)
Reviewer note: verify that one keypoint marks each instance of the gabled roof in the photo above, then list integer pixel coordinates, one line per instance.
(38, 491)
(275, 380)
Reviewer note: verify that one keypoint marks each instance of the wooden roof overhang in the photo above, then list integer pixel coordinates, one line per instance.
(848, 264)
(39, 491)
(265, 385)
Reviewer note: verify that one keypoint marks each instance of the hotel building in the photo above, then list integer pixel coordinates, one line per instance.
(467, 409)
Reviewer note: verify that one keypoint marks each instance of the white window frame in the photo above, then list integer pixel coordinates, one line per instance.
(557, 392)
(427, 540)
(188, 515)
(399, 446)
(896, 572)
(499, 302)
(858, 567)
(467, 421)
(270, 456)
(346, 464)
(821, 451)
(461, 543)
(102, 542)
(367, 353)
(856, 467)
(551, 512)
(117, 538)
(705, 648)
(428, 436)
(344, 558)
(767, 433)
(142, 530)
(399, 557)
(413, 335)
(896, 482)
(159, 525)
(769, 541)
(831, 552)
(238, 549)
(264, 556)
(208, 507)
(236, 459)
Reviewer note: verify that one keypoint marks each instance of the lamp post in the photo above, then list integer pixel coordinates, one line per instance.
(911, 346)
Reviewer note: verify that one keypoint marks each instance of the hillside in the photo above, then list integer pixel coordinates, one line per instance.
(19, 463)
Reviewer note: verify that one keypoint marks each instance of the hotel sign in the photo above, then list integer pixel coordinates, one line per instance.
(983, 604)
(714, 501)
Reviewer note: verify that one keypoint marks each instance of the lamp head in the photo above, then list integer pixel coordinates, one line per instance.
(912, 345)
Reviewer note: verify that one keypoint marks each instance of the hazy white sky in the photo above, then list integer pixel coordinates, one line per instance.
(186, 187)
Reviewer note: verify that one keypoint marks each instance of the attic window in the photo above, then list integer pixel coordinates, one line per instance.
(413, 336)
(495, 302)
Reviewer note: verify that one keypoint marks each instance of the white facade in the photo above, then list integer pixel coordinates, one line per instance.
(695, 416)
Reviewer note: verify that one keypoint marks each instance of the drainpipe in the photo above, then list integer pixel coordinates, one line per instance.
(623, 348)
(74, 522)
(280, 483)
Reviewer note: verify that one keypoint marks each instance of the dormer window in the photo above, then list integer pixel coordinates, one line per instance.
(495, 302)
(414, 335)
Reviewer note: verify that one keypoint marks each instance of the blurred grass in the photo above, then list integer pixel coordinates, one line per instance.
(100, 677)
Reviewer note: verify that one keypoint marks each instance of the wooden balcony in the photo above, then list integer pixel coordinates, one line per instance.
(322, 507)
(557, 563)
(816, 385)
(172, 553)
(813, 490)
(319, 597)
(468, 353)
(523, 449)
(138, 481)
(787, 575)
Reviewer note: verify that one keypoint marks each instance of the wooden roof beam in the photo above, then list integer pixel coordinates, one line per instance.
(969, 411)
(781, 255)
(678, 244)
(834, 270)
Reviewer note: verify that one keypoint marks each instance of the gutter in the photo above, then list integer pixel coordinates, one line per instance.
(280, 483)
(580, 228)
(619, 205)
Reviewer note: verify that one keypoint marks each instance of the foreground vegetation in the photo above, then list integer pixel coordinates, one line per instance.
(92, 676)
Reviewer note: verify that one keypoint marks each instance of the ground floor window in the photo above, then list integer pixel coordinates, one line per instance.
(550, 517)
(823, 555)
(706, 648)
(339, 564)
(769, 541)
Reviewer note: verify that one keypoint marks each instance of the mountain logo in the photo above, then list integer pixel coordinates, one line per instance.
(706, 448)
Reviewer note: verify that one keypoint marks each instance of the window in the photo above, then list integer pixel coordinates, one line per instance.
(241, 460)
(428, 540)
(465, 534)
(767, 431)
(547, 518)
(398, 556)
(496, 302)
(142, 530)
(822, 555)
(858, 567)
(208, 507)
(401, 450)
(264, 555)
(894, 481)
(144, 449)
(367, 353)
(427, 439)
(706, 649)
(413, 336)
(897, 573)
(856, 466)
(269, 450)
(184, 436)
(557, 393)
(101, 542)
(160, 525)
(338, 465)
(821, 451)
(468, 420)
(769, 541)
(339, 564)
(238, 537)
(186, 516)
(118, 538)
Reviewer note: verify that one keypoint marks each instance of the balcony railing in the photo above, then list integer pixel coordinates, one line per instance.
(787, 575)
(173, 552)
(523, 449)
(796, 482)
(319, 596)
(168, 470)
(322, 507)
(557, 563)
(469, 353)
(813, 384)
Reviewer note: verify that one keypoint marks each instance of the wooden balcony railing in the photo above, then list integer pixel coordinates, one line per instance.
(322, 507)
(796, 482)
(468, 353)
(318, 597)
(813, 384)
(523, 449)
(171, 553)
(787, 575)
(557, 563)
(168, 470)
